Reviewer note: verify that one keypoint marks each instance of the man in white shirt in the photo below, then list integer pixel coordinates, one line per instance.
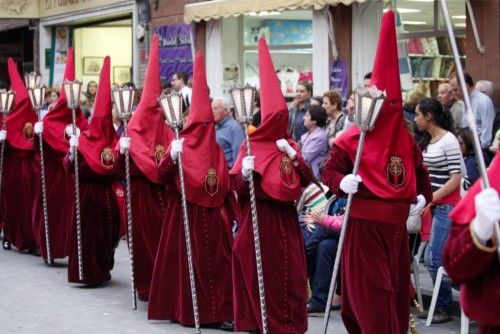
(179, 83)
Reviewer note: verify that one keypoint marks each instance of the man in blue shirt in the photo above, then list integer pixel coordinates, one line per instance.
(229, 133)
(482, 106)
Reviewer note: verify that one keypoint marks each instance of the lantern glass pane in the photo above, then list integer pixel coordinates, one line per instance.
(166, 109)
(116, 101)
(10, 100)
(236, 95)
(249, 97)
(378, 106)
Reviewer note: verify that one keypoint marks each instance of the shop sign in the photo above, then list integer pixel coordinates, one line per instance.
(175, 50)
(339, 77)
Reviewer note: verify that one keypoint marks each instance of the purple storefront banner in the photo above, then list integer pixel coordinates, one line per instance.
(339, 77)
(175, 50)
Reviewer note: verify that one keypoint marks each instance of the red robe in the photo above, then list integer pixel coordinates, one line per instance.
(375, 272)
(100, 221)
(283, 261)
(473, 265)
(149, 208)
(211, 241)
(17, 197)
(60, 202)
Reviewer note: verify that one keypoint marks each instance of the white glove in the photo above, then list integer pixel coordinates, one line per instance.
(247, 166)
(284, 146)
(487, 213)
(176, 148)
(124, 144)
(73, 141)
(69, 131)
(416, 208)
(3, 135)
(349, 183)
(38, 127)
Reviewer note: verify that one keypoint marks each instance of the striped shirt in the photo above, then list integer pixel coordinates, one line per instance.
(442, 159)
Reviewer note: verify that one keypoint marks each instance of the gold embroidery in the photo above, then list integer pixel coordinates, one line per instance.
(107, 158)
(159, 153)
(28, 131)
(211, 182)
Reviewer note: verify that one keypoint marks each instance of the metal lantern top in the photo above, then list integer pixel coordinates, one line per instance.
(367, 102)
(172, 108)
(72, 91)
(6, 100)
(243, 100)
(37, 95)
(123, 98)
(32, 80)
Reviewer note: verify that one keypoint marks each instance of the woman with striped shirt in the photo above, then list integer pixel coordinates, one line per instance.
(443, 158)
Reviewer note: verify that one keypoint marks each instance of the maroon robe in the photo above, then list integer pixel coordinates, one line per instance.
(211, 241)
(474, 265)
(149, 208)
(18, 184)
(100, 221)
(60, 202)
(283, 261)
(375, 266)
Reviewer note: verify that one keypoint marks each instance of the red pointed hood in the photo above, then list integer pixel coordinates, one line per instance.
(147, 129)
(55, 122)
(279, 179)
(465, 210)
(387, 164)
(204, 164)
(21, 119)
(98, 141)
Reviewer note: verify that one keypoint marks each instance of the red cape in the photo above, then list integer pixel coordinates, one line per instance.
(205, 169)
(21, 119)
(387, 164)
(279, 181)
(97, 142)
(149, 134)
(55, 122)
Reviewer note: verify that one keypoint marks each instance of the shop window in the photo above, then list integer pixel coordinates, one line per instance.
(426, 46)
(289, 35)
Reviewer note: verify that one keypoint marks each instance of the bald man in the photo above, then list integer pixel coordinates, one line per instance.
(448, 101)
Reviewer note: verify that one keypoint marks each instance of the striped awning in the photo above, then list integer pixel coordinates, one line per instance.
(217, 9)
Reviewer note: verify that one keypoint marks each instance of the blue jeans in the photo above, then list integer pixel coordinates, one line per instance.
(321, 248)
(441, 225)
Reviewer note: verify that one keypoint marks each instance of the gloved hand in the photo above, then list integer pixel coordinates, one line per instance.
(247, 166)
(73, 141)
(69, 131)
(124, 144)
(3, 135)
(38, 127)
(487, 213)
(416, 208)
(176, 148)
(284, 146)
(349, 183)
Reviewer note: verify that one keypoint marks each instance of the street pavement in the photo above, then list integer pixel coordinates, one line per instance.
(37, 299)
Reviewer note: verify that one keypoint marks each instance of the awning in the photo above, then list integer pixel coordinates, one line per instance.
(216, 9)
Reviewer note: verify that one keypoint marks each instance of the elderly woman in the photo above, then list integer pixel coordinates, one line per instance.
(332, 102)
(314, 141)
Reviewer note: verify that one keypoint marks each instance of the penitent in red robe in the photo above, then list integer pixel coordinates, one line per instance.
(17, 197)
(283, 261)
(473, 265)
(211, 240)
(375, 271)
(100, 220)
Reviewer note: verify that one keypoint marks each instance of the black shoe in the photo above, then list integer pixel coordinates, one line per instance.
(439, 317)
(227, 326)
(6, 245)
(34, 252)
(311, 309)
